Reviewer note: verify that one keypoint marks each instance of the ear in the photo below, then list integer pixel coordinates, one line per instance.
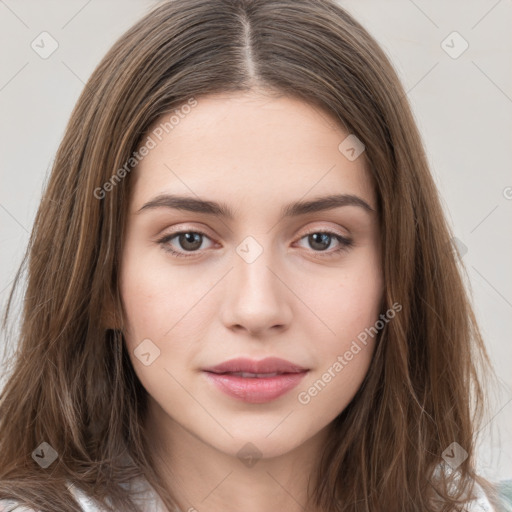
(109, 317)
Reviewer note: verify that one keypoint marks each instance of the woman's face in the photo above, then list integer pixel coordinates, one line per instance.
(252, 275)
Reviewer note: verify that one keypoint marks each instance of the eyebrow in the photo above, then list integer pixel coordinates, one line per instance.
(222, 210)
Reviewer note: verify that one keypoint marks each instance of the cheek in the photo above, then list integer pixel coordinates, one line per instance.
(156, 300)
(346, 301)
(359, 305)
(156, 295)
(166, 316)
(344, 358)
(146, 300)
(351, 309)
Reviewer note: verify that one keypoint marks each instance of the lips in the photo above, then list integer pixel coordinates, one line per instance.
(269, 365)
(255, 381)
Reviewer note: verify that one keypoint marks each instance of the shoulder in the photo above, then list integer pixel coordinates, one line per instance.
(504, 490)
(13, 506)
(86, 503)
(503, 495)
(500, 499)
(481, 502)
(145, 496)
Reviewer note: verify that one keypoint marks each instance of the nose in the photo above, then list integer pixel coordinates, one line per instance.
(257, 298)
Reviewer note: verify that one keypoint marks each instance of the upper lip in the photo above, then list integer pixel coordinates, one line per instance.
(267, 365)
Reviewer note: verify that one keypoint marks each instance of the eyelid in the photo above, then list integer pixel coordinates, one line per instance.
(345, 241)
(324, 229)
(167, 236)
(184, 228)
(181, 228)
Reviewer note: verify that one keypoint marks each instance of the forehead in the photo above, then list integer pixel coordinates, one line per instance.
(251, 147)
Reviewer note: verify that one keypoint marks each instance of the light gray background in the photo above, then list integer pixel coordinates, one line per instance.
(463, 107)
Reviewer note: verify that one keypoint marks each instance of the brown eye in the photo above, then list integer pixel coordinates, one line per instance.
(190, 241)
(320, 241)
(187, 241)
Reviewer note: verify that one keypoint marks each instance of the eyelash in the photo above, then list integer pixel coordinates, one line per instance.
(345, 243)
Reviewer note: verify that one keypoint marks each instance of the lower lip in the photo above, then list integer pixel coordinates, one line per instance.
(255, 390)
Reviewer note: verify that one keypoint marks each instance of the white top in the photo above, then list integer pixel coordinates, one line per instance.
(148, 500)
(152, 503)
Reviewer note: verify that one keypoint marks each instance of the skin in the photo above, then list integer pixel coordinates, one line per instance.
(255, 153)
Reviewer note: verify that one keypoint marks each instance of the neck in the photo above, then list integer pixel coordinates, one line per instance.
(203, 477)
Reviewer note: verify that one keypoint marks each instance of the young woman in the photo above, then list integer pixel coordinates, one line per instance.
(241, 289)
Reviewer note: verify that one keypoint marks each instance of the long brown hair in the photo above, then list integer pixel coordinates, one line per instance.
(71, 383)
